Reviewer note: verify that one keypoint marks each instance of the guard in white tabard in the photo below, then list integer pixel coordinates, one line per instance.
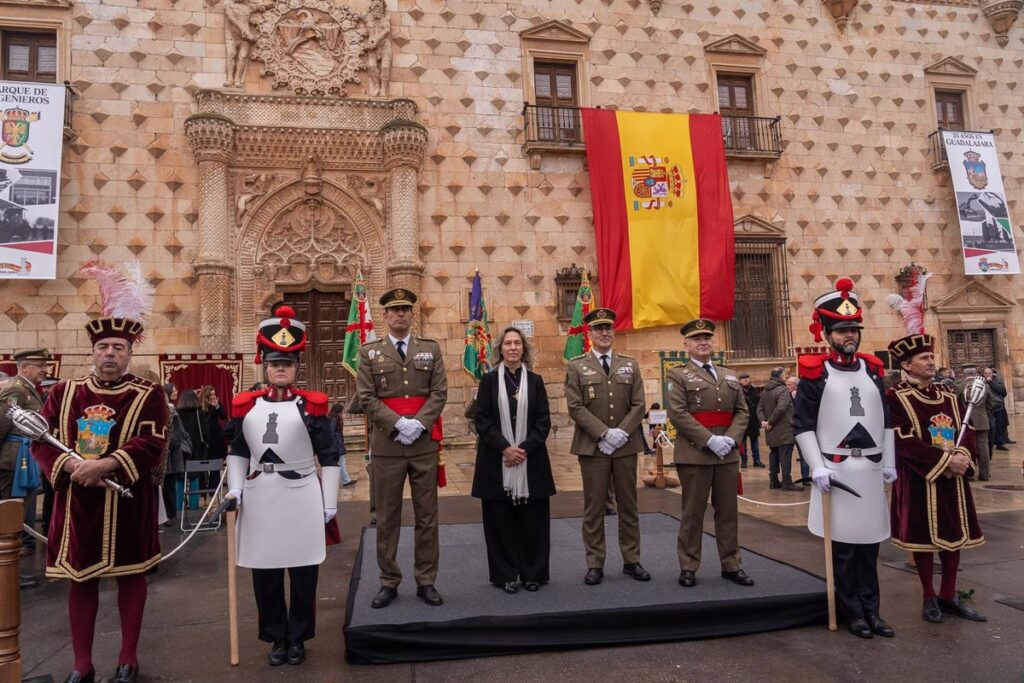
(840, 421)
(280, 433)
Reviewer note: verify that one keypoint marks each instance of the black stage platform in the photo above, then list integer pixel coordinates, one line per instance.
(479, 620)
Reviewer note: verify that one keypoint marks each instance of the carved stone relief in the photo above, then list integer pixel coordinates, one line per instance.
(240, 18)
(252, 187)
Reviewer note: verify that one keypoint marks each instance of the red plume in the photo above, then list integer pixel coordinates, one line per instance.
(816, 327)
(844, 285)
(284, 311)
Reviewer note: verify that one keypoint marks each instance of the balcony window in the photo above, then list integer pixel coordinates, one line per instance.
(29, 57)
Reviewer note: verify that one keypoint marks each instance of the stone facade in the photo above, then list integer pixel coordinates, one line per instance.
(211, 144)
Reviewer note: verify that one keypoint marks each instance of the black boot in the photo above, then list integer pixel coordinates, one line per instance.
(774, 483)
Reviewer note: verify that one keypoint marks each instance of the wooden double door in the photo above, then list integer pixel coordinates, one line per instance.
(325, 315)
(976, 347)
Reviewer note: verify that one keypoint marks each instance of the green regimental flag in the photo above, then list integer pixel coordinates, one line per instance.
(578, 341)
(360, 325)
(478, 335)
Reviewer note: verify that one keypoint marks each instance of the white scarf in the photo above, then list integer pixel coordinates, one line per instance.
(513, 478)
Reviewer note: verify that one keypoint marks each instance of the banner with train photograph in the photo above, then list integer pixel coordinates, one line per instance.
(33, 140)
(985, 228)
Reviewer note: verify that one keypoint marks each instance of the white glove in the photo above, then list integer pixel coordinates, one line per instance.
(732, 442)
(404, 425)
(889, 475)
(719, 445)
(617, 437)
(822, 479)
(329, 514)
(416, 428)
(236, 494)
(605, 446)
(403, 439)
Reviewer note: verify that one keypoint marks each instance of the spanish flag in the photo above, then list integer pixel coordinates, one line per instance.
(662, 216)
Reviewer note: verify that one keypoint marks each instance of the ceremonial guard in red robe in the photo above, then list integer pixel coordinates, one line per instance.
(932, 506)
(117, 422)
(839, 420)
(280, 434)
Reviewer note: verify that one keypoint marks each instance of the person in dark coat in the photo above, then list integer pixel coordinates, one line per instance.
(177, 445)
(999, 433)
(775, 413)
(513, 473)
(753, 396)
(198, 435)
(215, 416)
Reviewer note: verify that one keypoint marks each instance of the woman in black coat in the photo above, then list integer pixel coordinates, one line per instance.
(513, 473)
(198, 433)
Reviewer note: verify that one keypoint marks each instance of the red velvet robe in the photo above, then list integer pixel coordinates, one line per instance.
(930, 511)
(94, 531)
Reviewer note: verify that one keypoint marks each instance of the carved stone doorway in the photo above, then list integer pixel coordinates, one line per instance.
(326, 317)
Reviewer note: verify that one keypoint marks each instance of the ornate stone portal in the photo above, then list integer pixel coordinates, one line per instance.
(286, 207)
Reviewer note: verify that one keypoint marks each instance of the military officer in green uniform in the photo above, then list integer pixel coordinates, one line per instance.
(402, 386)
(708, 410)
(605, 394)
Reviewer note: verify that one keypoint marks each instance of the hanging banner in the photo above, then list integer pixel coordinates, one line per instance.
(989, 247)
(33, 140)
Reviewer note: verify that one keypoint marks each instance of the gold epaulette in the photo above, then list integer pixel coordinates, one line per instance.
(582, 355)
(622, 355)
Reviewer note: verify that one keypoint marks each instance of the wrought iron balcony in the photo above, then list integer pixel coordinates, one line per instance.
(552, 130)
(752, 137)
(938, 148)
(69, 95)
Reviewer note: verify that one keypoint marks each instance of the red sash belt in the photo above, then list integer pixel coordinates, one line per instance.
(411, 405)
(713, 418)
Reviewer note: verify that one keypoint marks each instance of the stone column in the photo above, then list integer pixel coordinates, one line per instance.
(404, 144)
(211, 138)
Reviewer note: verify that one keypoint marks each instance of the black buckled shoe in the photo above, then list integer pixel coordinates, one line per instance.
(931, 612)
(429, 595)
(77, 677)
(532, 586)
(278, 653)
(126, 673)
(961, 609)
(687, 579)
(739, 577)
(384, 597)
(859, 628)
(296, 653)
(879, 627)
(510, 587)
(593, 577)
(636, 571)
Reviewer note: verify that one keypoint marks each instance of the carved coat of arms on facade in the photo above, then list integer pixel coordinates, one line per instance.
(312, 47)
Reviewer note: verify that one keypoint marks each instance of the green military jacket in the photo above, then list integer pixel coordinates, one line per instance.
(692, 391)
(25, 395)
(598, 402)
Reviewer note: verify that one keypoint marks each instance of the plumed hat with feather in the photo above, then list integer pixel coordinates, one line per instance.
(836, 310)
(912, 312)
(126, 300)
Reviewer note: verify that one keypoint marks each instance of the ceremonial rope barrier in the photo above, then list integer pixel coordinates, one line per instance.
(774, 505)
(213, 499)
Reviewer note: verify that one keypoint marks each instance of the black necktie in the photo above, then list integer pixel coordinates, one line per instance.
(400, 345)
(706, 366)
(604, 364)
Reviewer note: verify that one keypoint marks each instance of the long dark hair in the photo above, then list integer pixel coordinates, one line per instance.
(188, 399)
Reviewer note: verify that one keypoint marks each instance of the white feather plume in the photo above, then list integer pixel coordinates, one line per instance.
(122, 295)
(912, 309)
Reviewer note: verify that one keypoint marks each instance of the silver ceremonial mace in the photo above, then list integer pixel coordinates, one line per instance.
(973, 394)
(33, 425)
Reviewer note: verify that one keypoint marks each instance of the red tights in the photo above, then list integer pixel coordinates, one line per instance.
(926, 566)
(83, 604)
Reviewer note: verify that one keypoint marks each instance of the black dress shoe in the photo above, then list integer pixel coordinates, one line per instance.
(429, 595)
(296, 653)
(1000, 447)
(531, 586)
(278, 653)
(738, 577)
(859, 628)
(687, 578)
(961, 609)
(879, 627)
(774, 484)
(76, 677)
(931, 612)
(790, 486)
(510, 587)
(593, 577)
(27, 581)
(126, 673)
(384, 597)
(636, 571)
(759, 464)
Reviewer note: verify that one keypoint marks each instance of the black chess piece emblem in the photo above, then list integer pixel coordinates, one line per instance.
(856, 409)
(270, 436)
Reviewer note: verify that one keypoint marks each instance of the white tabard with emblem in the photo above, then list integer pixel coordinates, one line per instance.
(851, 423)
(281, 520)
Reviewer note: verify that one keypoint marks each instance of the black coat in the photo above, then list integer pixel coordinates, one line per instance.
(198, 432)
(487, 477)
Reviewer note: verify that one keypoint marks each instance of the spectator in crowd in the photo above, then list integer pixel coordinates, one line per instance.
(215, 416)
(337, 423)
(195, 425)
(999, 432)
(177, 446)
(775, 414)
(753, 435)
(979, 420)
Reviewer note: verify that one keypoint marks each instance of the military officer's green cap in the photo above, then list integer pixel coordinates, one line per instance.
(33, 354)
(696, 327)
(397, 297)
(600, 316)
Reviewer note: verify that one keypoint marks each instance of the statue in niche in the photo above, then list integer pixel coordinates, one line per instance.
(254, 186)
(378, 49)
(312, 171)
(240, 18)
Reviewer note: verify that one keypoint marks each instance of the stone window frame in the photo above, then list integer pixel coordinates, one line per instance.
(567, 285)
(54, 17)
(951, 75)
(736, 55)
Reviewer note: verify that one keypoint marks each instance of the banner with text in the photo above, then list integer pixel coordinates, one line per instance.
(33, 140)
(985, 228)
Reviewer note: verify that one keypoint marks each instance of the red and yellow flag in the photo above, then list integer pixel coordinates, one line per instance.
(662, 216)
